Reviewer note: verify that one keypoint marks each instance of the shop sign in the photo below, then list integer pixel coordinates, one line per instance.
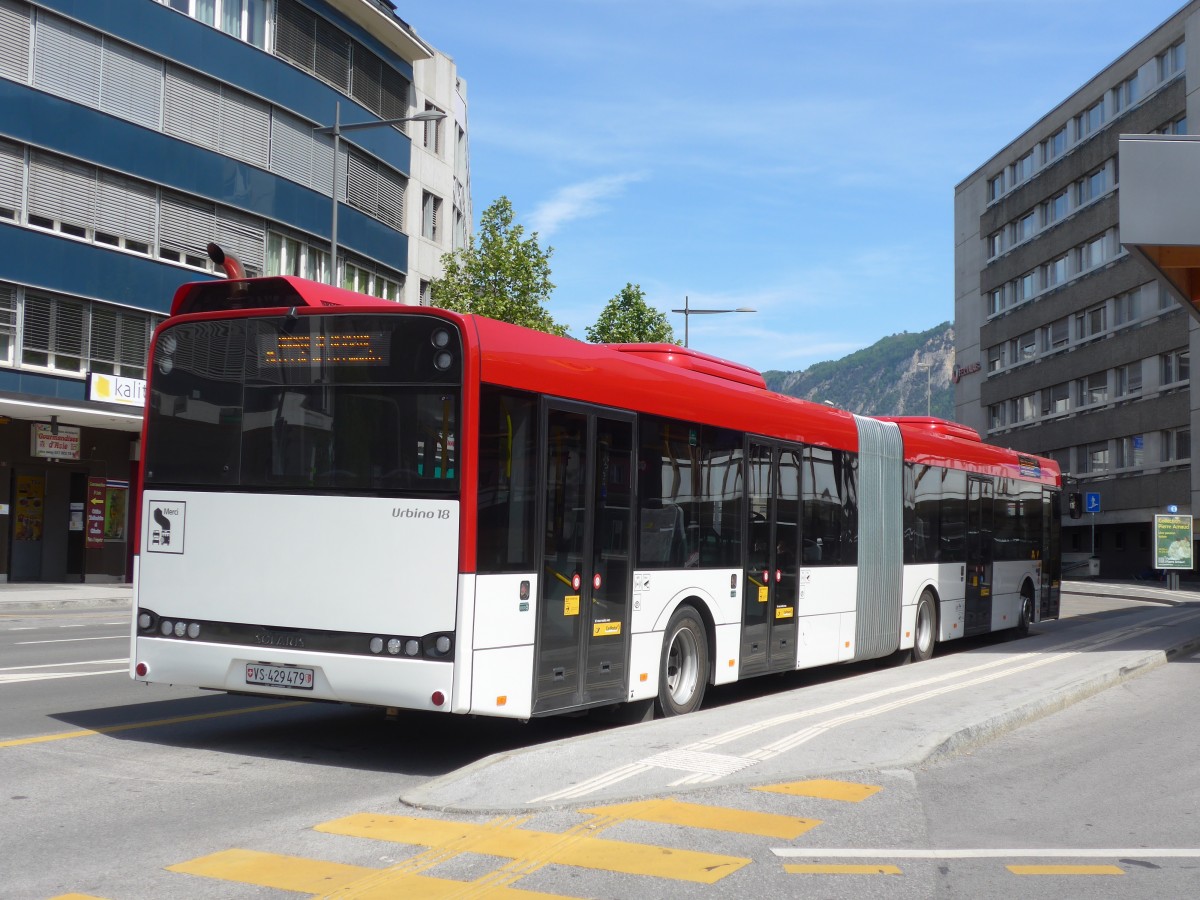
(96, 490)
(46, 444)
(962, 371)
(113, 389)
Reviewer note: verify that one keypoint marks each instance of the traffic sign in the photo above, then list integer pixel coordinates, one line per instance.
(1092, 502)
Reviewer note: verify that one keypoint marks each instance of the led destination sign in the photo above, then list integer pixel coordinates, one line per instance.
(366, 348)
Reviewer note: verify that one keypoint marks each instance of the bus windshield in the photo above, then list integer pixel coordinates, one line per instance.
(347, 403)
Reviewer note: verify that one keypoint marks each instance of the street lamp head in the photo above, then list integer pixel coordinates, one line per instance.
(430, 115)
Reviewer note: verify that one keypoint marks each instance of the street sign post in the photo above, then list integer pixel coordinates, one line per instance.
(1092, 502)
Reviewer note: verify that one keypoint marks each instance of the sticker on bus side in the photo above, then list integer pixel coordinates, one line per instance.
(165, 527)
(606, 629)
(571, 605)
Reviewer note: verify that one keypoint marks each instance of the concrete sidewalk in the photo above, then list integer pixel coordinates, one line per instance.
(27, 597)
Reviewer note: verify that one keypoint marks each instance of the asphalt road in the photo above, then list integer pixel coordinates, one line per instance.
(121, 791)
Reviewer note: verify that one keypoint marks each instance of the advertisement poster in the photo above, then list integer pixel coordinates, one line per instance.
(30, 497)
(1173, 542)
(116, 503)
(94, 539)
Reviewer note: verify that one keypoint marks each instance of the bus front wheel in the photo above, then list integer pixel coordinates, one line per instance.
(683, 672)
(925, 628)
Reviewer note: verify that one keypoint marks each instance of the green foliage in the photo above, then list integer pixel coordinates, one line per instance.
(504, 276)
(628, 319)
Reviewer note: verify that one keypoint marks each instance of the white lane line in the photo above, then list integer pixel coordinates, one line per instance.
(1015, 664)
(85, 662)
(115, 637)
(1027, 853)
(50, 676)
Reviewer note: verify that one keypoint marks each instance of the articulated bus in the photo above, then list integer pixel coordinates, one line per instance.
(347, 499)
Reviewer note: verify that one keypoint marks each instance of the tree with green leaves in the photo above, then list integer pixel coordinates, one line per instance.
(504, 275)
(628, 319)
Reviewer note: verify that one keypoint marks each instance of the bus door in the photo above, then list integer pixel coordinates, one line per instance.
(978, 617)
(587, 529)
(1051, 555)
(772, 557)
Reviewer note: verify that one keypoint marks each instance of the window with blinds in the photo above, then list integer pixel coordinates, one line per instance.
(53, 333)
(118, 341)
(375, 189)
(431, 216)
(8, 322)
(12, 175)
(14, 40)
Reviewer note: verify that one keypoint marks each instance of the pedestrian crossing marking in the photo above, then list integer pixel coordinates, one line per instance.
(1066, 870)
(577, 847)
(843, 869)
(330, 879)
(288, 873)
(823, 789)
(714, 818)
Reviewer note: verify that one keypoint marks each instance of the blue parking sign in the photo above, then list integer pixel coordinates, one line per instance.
(1091, 502)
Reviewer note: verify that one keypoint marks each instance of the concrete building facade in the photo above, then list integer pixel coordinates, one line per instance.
(1066, 344)
(132, 134)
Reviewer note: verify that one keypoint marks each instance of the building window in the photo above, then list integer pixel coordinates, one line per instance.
(996, 416)
(432, 140)
(1175, 367)
(431, 216)
(426, 293)
(1023, 408)
(1025, 347)
(996, 187)
(1091, 458)
(1056, 207)
(1126, 308)
(1176, 445)
(1056, 272)
(363, 279)
(53, 332)
(996, 358)
(1055, 145)
(1056, 399)
(1131, 452)
(1129, 379)
(1026, 286)
(1026, 227)
(1055, 335)
(995, 244)
(291, 256)
(244, 19)
(1023, 168)
(8, 323)
(1092, 389)
(1090, 120)
(1126, 94)
(1091, 323)
(1171, 62)
(995, 301)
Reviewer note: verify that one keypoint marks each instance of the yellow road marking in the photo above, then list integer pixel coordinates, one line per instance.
(807, 869)
(330, 879)
(1066, 870)
(157, 723)
(823, 789)
(575, 848)
(714, 818)
(287, 873)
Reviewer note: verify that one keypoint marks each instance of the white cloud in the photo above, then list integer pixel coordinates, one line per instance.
(577, 201)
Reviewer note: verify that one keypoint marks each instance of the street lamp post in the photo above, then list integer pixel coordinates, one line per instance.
(688, 312)
(337, 129)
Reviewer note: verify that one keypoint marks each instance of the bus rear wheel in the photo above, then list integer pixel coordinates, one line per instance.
(683, 672)
(924, 628)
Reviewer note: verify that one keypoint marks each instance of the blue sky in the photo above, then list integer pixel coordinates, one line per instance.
(794, 156)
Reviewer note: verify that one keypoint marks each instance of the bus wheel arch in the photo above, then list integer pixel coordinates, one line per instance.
(685, 662)
(925, 626)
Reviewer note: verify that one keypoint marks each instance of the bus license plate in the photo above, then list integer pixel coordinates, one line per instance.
(280, 676)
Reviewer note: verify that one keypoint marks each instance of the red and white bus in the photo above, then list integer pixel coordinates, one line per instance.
(351, 500)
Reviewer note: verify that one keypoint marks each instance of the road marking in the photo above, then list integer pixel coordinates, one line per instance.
(577, 847)
(714, 818)
(115, 637)
(86, 662)
(1066, 870)
(822, 789)
(941, 684)
(981, 853)
(847, 869)
(287, 873)
(156, 723)
(51, 676)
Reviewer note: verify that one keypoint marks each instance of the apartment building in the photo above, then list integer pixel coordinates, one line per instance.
(1066, 344)
(135, 132)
